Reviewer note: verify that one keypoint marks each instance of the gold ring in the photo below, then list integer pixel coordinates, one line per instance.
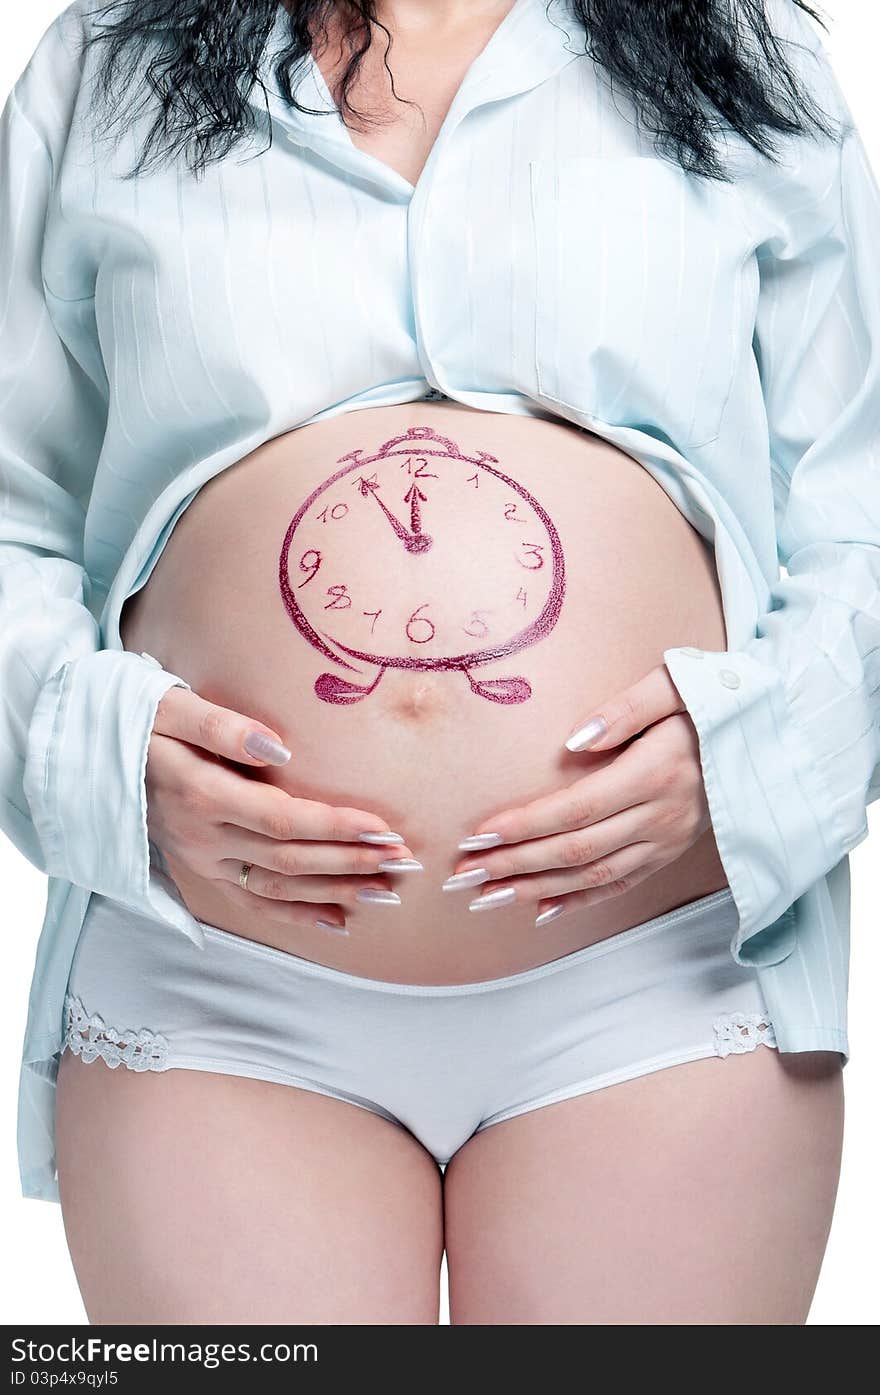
(243, 874)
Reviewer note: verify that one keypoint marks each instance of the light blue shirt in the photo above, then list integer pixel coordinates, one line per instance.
(548, 260)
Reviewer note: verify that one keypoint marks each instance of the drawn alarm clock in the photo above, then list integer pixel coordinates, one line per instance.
(421, 557)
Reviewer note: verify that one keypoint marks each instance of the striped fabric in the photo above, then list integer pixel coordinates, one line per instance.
(548, 261)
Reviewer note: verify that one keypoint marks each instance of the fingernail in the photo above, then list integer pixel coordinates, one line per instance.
(328, 925)
(587, 734)
(480, 841)
(502, 897)
(550, 914)
(256, 743)
(462, 880)
(380, 839)
(401, 864)
(373, 896)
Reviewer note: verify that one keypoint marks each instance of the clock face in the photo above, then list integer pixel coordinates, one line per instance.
(421, 557)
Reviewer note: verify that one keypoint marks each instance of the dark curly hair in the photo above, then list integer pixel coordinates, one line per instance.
(686, 64)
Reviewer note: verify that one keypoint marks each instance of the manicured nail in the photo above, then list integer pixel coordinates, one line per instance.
(380, 840)
(401, 864)
(463, 880)
(502, 897)
(328, 925)
(374, 896)
(587, 734)
(550, 914)
(480, 841)
(256, 743)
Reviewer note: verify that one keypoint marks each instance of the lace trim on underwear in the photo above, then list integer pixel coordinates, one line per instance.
(89, 1036)
(736, 1032)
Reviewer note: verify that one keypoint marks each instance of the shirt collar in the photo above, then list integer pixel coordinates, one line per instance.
(534, 41)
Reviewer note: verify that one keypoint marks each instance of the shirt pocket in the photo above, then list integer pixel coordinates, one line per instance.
(640, 314)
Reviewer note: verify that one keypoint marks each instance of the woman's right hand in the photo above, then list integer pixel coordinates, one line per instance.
(309, 860)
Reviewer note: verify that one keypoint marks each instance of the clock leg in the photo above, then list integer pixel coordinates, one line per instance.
(504, 690)
(331, 688)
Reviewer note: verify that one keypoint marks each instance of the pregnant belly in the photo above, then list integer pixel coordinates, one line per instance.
(424, 600)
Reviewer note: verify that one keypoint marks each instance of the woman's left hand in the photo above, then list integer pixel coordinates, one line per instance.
(614, 826)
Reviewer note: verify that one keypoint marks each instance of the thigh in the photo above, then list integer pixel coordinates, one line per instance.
(194, 1197)
(702, 1193)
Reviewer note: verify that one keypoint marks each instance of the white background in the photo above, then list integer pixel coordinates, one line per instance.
(37, 1283)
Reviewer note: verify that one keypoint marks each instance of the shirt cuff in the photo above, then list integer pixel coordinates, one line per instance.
(84, 780)
(777, 824)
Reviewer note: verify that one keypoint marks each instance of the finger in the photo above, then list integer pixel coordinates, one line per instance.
(304, 859)
(186, 716)
(275, 886)
(549, 909)
(560, 851)
(305, 915)
(627, 713)
(264, 808)
(614, 875)
(621, 783)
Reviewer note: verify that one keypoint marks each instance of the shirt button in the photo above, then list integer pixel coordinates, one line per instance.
(693, 653)
(729, 678)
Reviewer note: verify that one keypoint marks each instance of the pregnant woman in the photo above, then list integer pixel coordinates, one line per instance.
(445, 798)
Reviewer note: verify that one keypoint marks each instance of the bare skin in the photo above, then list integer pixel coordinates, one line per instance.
(701, 1193)
(242, 1201)
(695, 1195)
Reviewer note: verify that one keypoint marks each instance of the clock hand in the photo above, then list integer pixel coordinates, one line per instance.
(413, 541)
(414, 497)
(368, 487)
(418, 541)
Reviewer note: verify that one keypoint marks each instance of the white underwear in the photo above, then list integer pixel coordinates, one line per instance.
(443, 1062)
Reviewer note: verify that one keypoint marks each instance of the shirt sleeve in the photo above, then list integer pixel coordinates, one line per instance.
(789, 725)
(75, 718)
